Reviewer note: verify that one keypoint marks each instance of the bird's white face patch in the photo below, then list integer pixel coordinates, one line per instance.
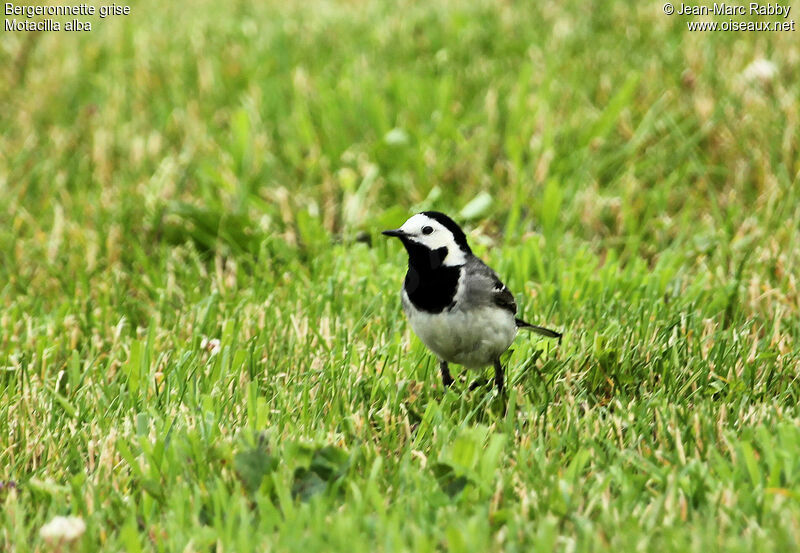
(432, 234)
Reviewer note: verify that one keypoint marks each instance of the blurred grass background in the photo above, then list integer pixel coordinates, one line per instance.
(206, 171)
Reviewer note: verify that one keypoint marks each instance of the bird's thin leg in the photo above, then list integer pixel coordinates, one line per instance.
(498, 375)
(446, 378)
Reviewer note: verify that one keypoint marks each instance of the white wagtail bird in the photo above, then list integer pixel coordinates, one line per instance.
(455, 303)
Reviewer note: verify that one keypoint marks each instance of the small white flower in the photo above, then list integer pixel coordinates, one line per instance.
(760, 69)
(63, 529)
(212, 346)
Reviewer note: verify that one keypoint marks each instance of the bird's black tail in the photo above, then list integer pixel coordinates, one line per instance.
(539, 329)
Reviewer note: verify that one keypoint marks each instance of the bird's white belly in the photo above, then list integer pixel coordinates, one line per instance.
(473, 338)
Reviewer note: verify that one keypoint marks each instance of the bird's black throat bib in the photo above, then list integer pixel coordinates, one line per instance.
(430, 286)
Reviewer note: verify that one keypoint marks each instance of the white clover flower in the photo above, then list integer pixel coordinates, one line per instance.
(760, 69)
(212, 346)
(63, 529)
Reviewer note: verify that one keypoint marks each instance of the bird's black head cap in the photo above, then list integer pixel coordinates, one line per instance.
(458, 234)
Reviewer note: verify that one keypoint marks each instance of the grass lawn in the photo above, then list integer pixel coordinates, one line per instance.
(201, 341)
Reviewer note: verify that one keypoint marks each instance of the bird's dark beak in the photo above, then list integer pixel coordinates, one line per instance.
(397, 233)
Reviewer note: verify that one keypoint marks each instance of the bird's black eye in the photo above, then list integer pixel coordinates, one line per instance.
(427, 230)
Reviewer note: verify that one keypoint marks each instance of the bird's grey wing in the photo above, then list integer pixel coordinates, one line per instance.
(485, 287)
(504, 298)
